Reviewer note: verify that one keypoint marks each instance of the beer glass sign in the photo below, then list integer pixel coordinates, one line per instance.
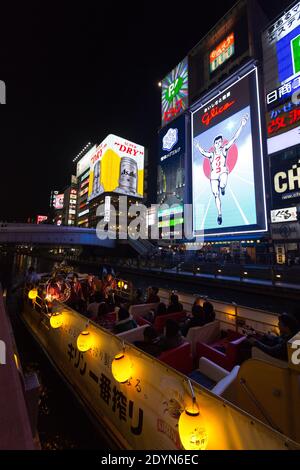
(117, 166)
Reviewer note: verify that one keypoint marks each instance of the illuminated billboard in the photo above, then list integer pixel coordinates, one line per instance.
(281, 50)
(285, 179)
(174, 92)
(41, 218)
(117, 166)
(171, 169)
(227, 163)
(58, 201)
(84, 163)
(221, 53)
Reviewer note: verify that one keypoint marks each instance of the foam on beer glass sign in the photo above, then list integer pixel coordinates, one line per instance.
(117, 166)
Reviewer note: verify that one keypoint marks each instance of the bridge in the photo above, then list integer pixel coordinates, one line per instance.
(51, 235)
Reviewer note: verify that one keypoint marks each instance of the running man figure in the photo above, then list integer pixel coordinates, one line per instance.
(218, 168)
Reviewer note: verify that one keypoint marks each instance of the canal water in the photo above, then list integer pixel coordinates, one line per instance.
(254, 300)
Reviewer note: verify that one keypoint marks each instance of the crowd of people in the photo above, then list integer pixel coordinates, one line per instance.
(97, 300)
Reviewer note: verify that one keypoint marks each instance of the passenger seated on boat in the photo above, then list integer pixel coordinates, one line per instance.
(108, 285)
(288, 327)
(197, 319)
(93, 307)
(174, 306)
(89, 288)
(124, 322)
(106, 317)
(150, 344)
(209, 312)
(198, 301)
(138, 297)
(161, 309)
(57, 287)
(152, 297)
(76, 299)
(172, 338)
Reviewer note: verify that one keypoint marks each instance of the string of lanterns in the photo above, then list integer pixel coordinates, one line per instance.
(191, 426)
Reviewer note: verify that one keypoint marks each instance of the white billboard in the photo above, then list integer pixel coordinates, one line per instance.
(117, 166)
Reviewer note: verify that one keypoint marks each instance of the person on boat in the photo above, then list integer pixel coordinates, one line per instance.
(150, 344)
(277, 346)
(138, 297)
(76, 299)
(108, 285)
(93, 307)
(198, 301)
(89, 288)
(198, 319)
(104, 316)
(209, 312)
(172, 338)
(161, 309)
(174, 305)
(153, 297)
(58, 289)
(124, 322)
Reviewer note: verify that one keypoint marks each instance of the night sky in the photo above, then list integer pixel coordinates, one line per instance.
(75, 73)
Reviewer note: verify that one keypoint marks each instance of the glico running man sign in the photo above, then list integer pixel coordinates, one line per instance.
(227, 165)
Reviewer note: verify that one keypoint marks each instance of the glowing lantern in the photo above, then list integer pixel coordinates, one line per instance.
(121, 284)
(56, 320)
(125, 286)
(84, 341)
(32, 294)
(121, 367)
(191, 429)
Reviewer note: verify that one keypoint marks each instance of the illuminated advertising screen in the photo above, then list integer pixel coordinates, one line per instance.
(84, 163)
(285, 179)
(58, 202)
(227, 166)
(171, 170)
(41, 218)
(281, 50)
(174, 92)
(221, 53)
(117, 166)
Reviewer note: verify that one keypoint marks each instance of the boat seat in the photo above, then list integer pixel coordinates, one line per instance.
(136, 334)
(142, 321)
(203, 334)
(214, 377)
(179, 358)
(141, 309)
(226, 352)
(160, 321)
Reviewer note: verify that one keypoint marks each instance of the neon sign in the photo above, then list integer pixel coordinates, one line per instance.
(209, 116)
(222, 53)
(175, 92)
